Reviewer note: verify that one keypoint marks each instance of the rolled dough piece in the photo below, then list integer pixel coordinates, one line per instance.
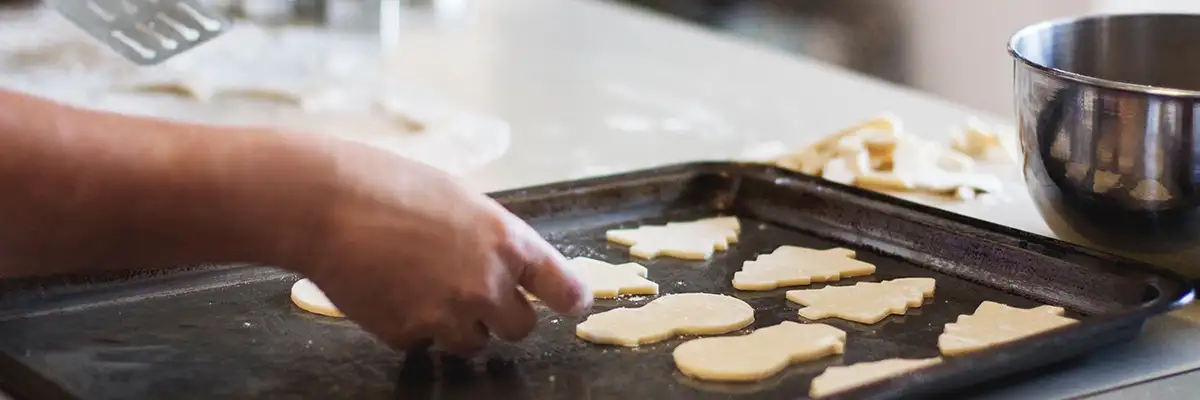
(694, 240)
(865, 302)
(840, 379)
(758, 355)
(995, 324)
(609, 281)
(666, 317)
(796, 266)
(311, 298)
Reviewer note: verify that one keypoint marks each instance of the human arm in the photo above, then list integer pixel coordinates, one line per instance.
(397, 245)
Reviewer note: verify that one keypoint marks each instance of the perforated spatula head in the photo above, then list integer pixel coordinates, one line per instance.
(146, 32)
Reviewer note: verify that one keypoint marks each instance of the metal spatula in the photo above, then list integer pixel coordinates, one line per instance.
(146, 32)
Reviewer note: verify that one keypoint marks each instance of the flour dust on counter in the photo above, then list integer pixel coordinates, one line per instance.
(289, 78)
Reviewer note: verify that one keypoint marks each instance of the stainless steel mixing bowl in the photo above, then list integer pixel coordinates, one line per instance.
(1110, 130)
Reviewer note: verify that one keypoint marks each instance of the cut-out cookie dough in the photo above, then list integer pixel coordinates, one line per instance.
(609, 281)
(877, 154)
(840, 379)
(693, 240)
(667, 317)
(994, 324)
(865, 302)
(758, 355)
(311, 298)
(797, 266)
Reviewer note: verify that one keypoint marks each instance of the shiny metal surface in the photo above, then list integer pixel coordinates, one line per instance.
(1106, 108)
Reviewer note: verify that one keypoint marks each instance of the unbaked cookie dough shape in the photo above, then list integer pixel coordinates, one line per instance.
(759, 354)
(309, 297)
(842, 378)
(865, 302)
(693, 240)
(797, 266)
(667, 317)
(608, 281)
(994, 324)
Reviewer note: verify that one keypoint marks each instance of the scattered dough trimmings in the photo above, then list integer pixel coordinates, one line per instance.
(694, 240)
(758, 355)
(310, 298)
(796, 266)
(840, 379)
(609, 281)
(666, 317)
(995, 324)
(878, 154)
(865, 302)
(977, 140)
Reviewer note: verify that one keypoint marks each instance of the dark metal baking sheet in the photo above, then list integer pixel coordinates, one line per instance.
(231, 332)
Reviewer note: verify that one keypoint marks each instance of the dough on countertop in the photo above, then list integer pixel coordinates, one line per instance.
(311, 298)
(758, 355)
(878, 154)
(840, 379)
(865, 302)
(994, 324)
(693, 240)
(666, 317)
(796, 266)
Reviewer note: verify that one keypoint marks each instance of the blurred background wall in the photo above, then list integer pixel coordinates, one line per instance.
(955, 49)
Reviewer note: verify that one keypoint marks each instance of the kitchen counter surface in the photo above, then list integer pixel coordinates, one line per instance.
(591, 87)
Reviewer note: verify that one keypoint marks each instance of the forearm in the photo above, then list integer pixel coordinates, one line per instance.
(84, 190)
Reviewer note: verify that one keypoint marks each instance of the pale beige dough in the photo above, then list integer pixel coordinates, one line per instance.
(666, 317)
(865, 302)
(796, 266)
(609, 281)
(995, 324)
(878, 154)
(840, 379)
(311, 298)
(693, 240)
(758, 355)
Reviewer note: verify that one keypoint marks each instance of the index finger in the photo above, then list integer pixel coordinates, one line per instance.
(543, 271)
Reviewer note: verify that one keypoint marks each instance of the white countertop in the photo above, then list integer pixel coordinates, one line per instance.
(590, 88)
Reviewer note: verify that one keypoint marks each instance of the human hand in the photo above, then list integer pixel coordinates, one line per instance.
(411, 256)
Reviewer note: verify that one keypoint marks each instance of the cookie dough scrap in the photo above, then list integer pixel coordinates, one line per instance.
(865, 302)
(309, 297)
(758, 355)
(994, 324)
(797, 266)
(608, 281)
(694, 240)
(667, 317)
(879, 154)
(840, 379)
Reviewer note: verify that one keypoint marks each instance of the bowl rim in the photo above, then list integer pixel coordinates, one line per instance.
(1091, 80)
